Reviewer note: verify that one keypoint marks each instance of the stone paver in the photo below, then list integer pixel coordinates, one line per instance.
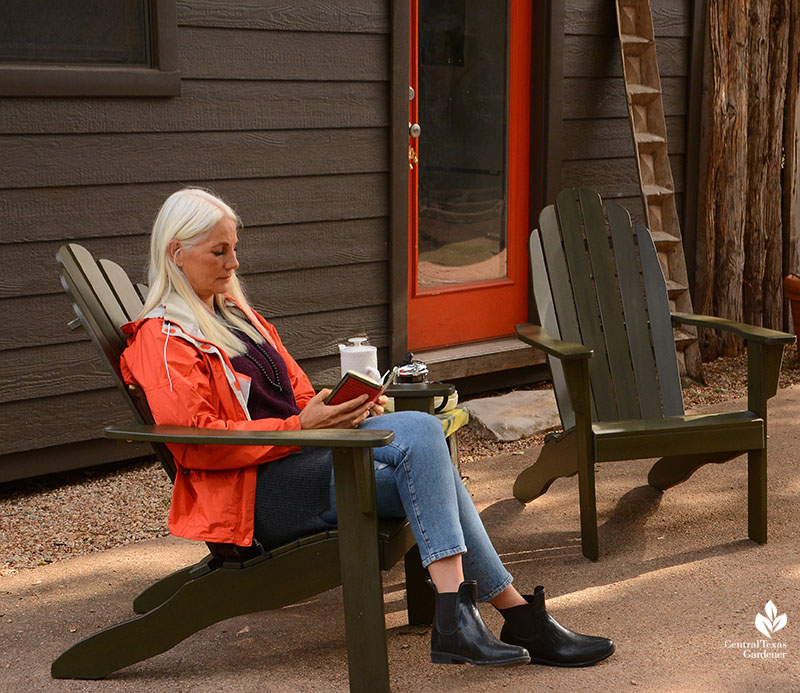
(514, 415)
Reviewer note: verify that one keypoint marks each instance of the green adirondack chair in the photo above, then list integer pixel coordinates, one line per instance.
(229, 582)
(608, 334)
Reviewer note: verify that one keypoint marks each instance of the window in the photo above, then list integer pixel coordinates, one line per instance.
(89, 48)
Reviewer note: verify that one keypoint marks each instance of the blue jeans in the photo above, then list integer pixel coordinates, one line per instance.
(415, 478)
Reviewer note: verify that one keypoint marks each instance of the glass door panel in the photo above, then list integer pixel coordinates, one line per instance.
(462, 163)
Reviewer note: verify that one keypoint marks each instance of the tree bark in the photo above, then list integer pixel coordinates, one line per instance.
(757, 192)
(791, 149)
(722, 217)
(779, 22)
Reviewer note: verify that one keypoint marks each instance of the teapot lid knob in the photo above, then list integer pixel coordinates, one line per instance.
(357, 341)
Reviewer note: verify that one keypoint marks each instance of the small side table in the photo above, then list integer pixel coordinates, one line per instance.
(418, 396)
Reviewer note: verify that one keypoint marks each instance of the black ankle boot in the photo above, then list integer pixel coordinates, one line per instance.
(530, 626)
(460, 635)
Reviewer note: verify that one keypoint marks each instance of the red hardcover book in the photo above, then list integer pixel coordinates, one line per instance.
(354, 385)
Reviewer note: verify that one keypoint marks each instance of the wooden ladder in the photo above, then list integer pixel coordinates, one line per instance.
(649, 129)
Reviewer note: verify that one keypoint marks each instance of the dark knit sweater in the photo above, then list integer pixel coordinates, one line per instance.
(263, 364)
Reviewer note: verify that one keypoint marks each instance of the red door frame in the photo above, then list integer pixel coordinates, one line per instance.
(481, 310)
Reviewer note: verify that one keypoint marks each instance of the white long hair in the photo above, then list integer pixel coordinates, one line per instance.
(187, 216)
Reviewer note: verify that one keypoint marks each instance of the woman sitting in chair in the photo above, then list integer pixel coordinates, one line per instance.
(205, 358)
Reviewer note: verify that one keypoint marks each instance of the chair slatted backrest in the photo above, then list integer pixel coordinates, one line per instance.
(597, 281)
(104, 299)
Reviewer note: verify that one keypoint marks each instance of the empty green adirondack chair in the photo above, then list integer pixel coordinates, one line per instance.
(607, 331)
(227, 583)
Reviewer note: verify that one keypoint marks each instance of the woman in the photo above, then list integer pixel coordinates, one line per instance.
(205, 358)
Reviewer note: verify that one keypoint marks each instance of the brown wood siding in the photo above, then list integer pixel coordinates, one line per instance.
(597, 147)
(284, 112)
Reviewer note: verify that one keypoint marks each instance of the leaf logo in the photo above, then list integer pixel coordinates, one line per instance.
(771, 623)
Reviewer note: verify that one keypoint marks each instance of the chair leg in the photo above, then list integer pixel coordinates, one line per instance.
(160, 591)
(452, 446)
(674, 470)
(757, 495)
(558, 458)
(588, 505)
(420, 599)
(362, 585)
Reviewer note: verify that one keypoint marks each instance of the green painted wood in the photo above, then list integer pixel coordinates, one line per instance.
(126, 293)
(763, 370)
(395, 540)
(633, 302)
(420, 599)
(751, 333)
(537, 336)
(107, 301)
(223, 593)
(578, 382)
(721, 435)
(557, 274)
(361, 579)
(558, 458)
(211, 436)
(611, 311)
(757, 495)
(157, 593)
(660, 325)
(87, 306)
(583, 294)
(547, 316)
(674, 470)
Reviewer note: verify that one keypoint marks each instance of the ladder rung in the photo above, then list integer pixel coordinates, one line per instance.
(674, 289)
(633, 38)
(656, 191)
(682, 339)
(649, 138)
(664, 240)
(642, 90)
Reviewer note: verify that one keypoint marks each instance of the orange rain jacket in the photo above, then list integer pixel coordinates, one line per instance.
(189, 381)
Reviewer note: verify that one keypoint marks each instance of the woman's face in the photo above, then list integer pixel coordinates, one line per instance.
(209, 265)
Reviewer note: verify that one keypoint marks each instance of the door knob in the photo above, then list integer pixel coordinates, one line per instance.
(414, 130)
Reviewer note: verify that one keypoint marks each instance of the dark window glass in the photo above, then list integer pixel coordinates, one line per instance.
(106, 32)
(462, 188)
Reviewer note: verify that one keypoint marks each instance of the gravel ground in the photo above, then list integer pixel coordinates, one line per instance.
(55, 517)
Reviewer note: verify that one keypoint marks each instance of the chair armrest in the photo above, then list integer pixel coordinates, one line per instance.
(536, 336)
(751, 333)
(764, 355)
(319, 438)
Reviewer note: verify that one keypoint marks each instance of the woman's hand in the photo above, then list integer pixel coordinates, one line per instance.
(317, 414)
(378, 405)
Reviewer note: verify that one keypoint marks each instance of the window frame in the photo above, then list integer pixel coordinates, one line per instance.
(162, 79)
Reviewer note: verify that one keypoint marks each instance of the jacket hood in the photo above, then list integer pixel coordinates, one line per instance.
(174, 310)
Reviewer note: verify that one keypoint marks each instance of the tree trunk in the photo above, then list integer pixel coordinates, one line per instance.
(791, 149)
(748, 214)
(779, 22)
(722, 218)
(758, 50)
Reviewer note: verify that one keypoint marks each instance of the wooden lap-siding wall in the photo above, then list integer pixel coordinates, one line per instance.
(598, 150)
(284, 112)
